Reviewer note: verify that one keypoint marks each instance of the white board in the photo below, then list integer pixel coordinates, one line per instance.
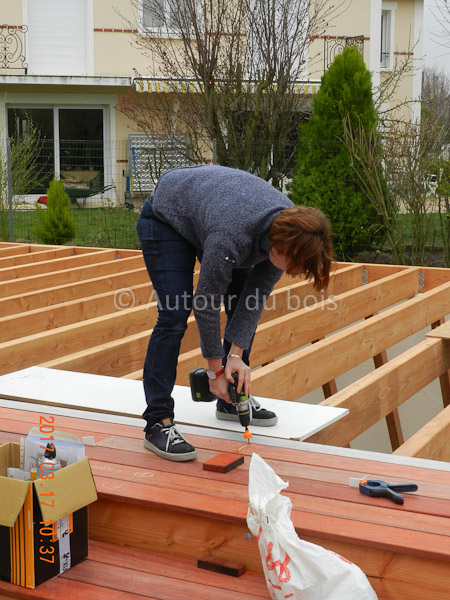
(114, 395)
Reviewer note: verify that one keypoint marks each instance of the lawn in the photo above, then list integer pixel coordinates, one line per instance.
(116, 228)
(108, 227)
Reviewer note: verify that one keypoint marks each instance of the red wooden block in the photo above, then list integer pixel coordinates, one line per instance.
(222, 463)
(219, 565)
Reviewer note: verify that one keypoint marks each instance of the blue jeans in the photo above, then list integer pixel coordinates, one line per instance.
(170, 261)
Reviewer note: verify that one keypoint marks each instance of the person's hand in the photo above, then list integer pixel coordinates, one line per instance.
(237, 365)
(219, 387)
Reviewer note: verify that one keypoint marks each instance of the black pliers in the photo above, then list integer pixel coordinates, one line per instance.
(382, 489)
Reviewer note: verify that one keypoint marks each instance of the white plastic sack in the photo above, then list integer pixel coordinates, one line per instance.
(293, 567)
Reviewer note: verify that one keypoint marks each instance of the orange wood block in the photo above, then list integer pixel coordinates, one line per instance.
(222, 463)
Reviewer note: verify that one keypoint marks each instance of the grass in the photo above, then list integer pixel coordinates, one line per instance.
(434, 233)
(108, 227)
(112, 227)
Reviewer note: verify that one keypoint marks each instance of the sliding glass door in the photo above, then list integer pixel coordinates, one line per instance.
(72, 148)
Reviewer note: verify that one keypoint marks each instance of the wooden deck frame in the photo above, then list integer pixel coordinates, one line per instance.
(62, 306)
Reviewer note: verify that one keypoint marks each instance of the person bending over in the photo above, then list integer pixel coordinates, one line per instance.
(245, 233)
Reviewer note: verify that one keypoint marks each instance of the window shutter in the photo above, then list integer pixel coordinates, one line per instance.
(57, 37)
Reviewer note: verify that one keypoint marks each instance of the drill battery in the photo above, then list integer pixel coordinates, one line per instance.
(200, 392)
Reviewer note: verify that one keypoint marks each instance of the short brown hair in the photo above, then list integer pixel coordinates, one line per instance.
(302, 235)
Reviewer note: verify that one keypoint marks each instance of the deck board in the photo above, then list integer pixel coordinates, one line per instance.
(119, 573)
(140, 492)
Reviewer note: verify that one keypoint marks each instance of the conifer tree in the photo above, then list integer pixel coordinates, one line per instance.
(324, 176)
(55, 224)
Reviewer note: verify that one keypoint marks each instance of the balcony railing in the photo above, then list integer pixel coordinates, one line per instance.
(336, 45)
(12, 47)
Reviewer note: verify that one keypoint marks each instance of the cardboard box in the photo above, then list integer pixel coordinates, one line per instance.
(43, 523)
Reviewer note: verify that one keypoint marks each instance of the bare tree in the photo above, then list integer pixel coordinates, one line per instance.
(442, 14)
(394, 169)
(436, 98)
(234, 68)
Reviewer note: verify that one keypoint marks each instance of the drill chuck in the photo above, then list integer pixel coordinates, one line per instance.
(241, 402)
(243, 411)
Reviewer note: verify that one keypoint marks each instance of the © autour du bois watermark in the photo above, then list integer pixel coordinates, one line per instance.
(125, 298)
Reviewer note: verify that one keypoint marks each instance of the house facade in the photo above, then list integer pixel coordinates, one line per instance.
(67, 64)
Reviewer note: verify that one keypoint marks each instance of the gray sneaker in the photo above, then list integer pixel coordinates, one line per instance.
(164, 440)
(259, 415)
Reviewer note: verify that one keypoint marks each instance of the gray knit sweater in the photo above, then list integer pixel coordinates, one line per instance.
(227, 214)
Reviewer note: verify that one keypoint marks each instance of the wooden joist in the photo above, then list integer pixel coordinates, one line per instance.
(66, 307)
(307, 368)
(32, 283)
(377, 394)
(79, 290)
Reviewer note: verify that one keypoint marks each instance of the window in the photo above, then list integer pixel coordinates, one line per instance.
(73, 147)
(163, 14)
(385, 39)
(387, 35)
(18, 127)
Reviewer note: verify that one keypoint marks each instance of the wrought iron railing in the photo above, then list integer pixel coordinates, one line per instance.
(336, 45)
(12, 47)
(384, 59)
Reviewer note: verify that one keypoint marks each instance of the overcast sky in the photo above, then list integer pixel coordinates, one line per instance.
(434, 53)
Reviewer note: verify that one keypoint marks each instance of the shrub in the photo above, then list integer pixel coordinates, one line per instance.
(55, 224)
(324, 176)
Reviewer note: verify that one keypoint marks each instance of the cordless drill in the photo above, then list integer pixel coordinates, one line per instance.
(199, 382)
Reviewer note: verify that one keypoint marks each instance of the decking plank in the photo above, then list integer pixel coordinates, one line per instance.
(330, 467)
(348, 525)
(22, 429)
(119, 572)
(288, 465)
(174, 567)
(157, 586)
(66, 589)
(307, 491)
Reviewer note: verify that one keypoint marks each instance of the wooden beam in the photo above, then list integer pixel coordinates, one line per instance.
(45, 346)
(415, 578)
(375, 395)
(431, 441)
(28, 256)
(67, 261)
(12, 251)
(74, 311)
(26, 285)
(122, 356)
(289, 297)
(304, 369)
(15, 249)
(51, 296)
(376, 271)
(31, 257)
(114, 358)
(297, 328)
(282, 300)
(293, 329)
(444, 379)
(329, 388)
(119, 356)
(433, 277)
(392, 419)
